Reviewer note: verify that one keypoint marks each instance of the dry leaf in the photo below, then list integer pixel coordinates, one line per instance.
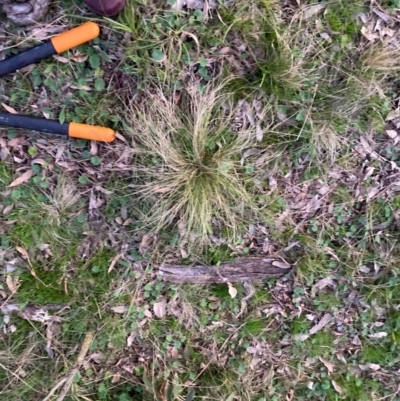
(178, 4)
(42, 162)
(248, 153)
(385, 31)
(97, 357)
(337, 387)
(116, 378)
(372, 192)
(391, 133)
(368, 149)
(145, 243)
(387, 18)
(393, 114)
(226, 50)
(18, 159)
(368, 173)
(9, 109)
(43, 32)
(368, 34)
(102, 190)
(174, 353)
(120, 137)
(318, 25)
(12, 284)
(50, 330)
(251, 350)
(130, 338)
(310, 11)
(21, 372)
(120, 309)
(326, 36)
(290, 395)
(273, 184)
(364, 269)
(15, 141)
(8, 209)
(341, 358)
(321, 324)
(369, 366)
(94, 148)
(81, 87)
(232, 290)
(329, 365)
(280, 264)
(79, 57)
(21, 179)
(380, 334)
(94, 202)
(22, 251)
(159, 308)
(61, 59)
(300, 337)
(116, 258)
(325, 282)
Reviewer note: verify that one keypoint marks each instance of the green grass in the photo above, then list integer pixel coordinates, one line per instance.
(247, 133)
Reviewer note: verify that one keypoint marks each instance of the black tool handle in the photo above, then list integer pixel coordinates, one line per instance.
(33, 123)
(57, 44)
(73, 130)
(27, 57)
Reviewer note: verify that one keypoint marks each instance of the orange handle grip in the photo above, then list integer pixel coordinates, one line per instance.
(75, 36)
(91, 132)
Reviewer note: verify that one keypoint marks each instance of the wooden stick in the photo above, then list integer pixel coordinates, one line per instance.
(243, 269)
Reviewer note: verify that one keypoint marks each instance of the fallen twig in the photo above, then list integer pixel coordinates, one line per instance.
(243, 269)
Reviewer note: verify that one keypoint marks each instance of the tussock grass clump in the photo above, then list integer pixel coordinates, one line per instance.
(189, 161)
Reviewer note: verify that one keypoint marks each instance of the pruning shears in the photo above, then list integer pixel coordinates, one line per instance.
(55, 45)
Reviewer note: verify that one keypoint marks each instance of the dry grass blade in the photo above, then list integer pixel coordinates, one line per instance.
(66, 382)
(14, 374)
(188, 160)
(382, 60)
(64, 198)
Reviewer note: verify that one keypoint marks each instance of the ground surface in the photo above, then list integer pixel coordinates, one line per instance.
(299, 161)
